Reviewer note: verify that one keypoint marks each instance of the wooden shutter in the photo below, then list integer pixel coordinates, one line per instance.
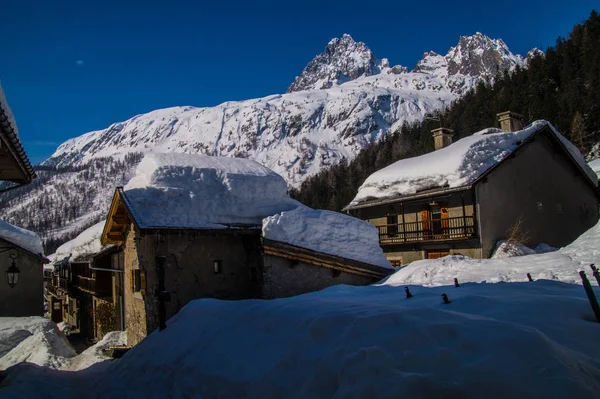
(425, 223)
(143, 281)
(445, 224)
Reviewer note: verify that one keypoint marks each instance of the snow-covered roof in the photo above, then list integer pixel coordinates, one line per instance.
(88, 242)
(9, 127)
(25, 239)
(327, 232)
(196, 191)
(458, 165)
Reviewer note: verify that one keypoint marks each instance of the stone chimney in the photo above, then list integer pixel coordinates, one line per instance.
(510, 121)
(442, 137)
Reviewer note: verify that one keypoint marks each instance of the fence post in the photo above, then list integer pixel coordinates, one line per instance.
(595, 273)
(590, 294)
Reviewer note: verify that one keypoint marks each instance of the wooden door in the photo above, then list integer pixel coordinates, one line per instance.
(445, 224)
(426, 223)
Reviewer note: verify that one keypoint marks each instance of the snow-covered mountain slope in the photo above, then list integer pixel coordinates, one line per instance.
(295, 134)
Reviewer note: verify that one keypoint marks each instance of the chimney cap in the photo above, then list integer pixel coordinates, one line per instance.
(509, 114)
(442, 130)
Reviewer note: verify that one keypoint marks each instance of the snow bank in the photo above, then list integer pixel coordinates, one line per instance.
(195, 191)
(511, 340)
(454, 166)
(39, 341)
(506, 249)
(329, 232)
(34, 340)
(93, 355)
(88, 242)
(28, 240)
(562, 265)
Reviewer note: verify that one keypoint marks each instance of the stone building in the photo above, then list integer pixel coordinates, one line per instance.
(464, 197)
(21, 252)
(204, 240)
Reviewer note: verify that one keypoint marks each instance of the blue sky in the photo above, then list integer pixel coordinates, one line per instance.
(69, 67)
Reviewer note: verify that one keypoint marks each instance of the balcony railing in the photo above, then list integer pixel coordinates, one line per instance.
(58, 286)
(90, 285)
(456, 228)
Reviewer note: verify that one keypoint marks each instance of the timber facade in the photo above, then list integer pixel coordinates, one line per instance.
(539, 185)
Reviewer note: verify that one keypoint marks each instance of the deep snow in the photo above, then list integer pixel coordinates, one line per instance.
(39, 341)
(328, 232)
(514, 339)
(196, 191)
(22, 238)
(562, 265)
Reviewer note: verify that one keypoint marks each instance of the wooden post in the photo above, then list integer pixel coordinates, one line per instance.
(403, 223)
(464, 212)
(595, 273)
(590, 294)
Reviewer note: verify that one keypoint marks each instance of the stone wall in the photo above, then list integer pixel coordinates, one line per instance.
(284, 277)
(27, 297)
(189, 272)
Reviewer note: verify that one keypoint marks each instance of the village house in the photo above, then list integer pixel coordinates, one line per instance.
(21, 252)
(464, 197)
(86, 286)
(190, 227)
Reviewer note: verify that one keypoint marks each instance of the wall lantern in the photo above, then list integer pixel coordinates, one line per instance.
(12, 273)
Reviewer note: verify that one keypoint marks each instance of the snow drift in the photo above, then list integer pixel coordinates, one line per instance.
(194, 191)
(328, 232)
(562, 265)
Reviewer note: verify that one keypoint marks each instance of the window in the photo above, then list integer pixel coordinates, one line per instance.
(56, 305)
(392, 222)
(217, 266)
(136, 279)
(559, 208)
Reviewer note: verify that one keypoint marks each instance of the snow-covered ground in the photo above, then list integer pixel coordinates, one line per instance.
(39, 341)
(513, 339)
(562, 265)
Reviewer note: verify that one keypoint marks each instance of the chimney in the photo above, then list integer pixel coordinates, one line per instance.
(510, 121)
(442, 137)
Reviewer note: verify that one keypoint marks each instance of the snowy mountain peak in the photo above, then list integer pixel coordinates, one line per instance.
(476, 55)
(342, 60)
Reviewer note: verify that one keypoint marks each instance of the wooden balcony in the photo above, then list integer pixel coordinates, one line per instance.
(448, 229)
(57, 286)
(91, 286)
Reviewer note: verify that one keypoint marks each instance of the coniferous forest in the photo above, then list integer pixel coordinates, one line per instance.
(561, 86)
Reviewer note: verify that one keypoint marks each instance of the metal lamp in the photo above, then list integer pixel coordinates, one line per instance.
(12, 274)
